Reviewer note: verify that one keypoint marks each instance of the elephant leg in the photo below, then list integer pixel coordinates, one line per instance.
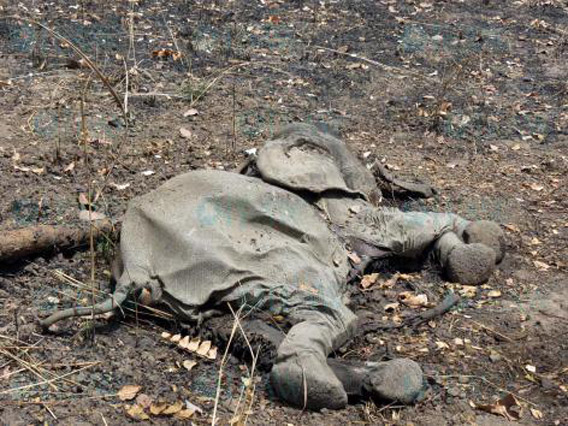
(301, 375)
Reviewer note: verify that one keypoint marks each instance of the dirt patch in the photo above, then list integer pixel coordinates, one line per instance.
(471, 96)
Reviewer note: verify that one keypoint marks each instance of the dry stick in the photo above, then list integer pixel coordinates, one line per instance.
(33, 369)
(55, 379)
(378, 64)
(254, 357)
(223, 361)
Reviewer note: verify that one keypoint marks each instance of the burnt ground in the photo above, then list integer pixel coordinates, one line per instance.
(469, 95)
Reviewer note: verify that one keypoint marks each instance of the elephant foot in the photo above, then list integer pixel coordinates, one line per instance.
(488, 233)
(306, 381)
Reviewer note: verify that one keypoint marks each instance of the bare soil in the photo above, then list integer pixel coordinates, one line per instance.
(469, 95)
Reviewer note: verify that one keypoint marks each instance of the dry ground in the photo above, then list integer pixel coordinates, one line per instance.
(470, 95)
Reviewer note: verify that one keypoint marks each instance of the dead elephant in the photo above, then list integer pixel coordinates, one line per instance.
(279, 241)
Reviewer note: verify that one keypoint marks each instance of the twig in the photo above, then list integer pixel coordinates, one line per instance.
(33, 369)
(55, 379)
(378, 64)
(223, 361)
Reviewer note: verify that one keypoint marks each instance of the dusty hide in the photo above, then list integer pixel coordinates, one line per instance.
(210, 237)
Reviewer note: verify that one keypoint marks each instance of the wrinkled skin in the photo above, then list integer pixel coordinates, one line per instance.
(311, 174)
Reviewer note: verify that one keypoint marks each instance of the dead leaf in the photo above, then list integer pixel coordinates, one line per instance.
(188, 364)
(69, 167)
(158, 408)
(137, 413)
(119, 186)
(144, 401)
(173, 409)
(273, 19)
(512, 227)
(37, 171)
(390, 283)
(368, 280)
(413, 300)
(468, 291)
(184, 414)
(537, 414)
(186, 133)
(148, 172)
(536, 187)
(128, 392)
(166, 53)
(541, 265)
(442, 345)
(504, 407)
(494, 294)
(190, 112)
(204, 348)
(92, 216)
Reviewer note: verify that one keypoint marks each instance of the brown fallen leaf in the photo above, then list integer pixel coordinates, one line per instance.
(184, 414)
(541, 265)
(128, 392)
(173, 409)
(144, 400)
(87, 216)
(188, 364)
(494, 294)
(158, 408)
(390, 283)
(537, 414)
(413, 300)
(137, 413)
(507, 407)
(368, 280)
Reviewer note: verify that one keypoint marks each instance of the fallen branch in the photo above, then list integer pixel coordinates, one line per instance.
(22, 243)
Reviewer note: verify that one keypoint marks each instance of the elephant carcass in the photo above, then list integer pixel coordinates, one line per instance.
(280, 243)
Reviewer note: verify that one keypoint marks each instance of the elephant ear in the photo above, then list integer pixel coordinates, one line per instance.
(300, 167)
